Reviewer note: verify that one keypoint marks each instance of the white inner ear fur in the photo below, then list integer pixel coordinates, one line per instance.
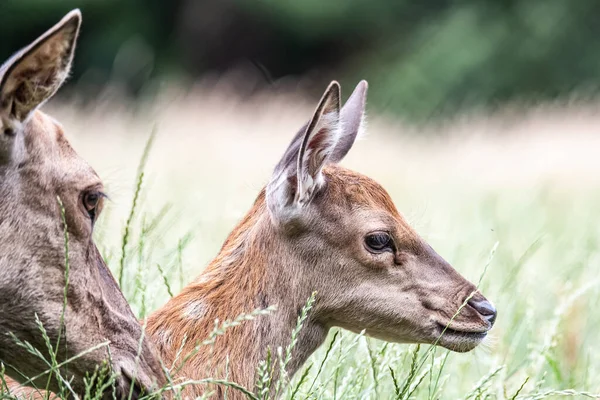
(321, 142)
(362, 128)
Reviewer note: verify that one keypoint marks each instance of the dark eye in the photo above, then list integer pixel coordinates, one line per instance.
(378, 242)
(91, 200)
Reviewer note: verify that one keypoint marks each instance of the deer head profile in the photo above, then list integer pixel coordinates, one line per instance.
(318, 226)
(38, 168)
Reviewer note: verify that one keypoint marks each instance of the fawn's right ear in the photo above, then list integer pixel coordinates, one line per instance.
(325, 139)
(33, 75)
(297, 176)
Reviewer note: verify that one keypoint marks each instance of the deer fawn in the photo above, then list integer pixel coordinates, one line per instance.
(319, 226)
(37, 166)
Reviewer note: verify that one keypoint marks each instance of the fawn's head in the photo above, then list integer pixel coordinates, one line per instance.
(38, 166)
(372, 271)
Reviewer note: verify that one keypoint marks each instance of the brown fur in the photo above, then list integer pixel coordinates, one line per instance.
(284, 250)
(38, 167)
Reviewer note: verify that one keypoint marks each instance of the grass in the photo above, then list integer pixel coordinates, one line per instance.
(521, 208)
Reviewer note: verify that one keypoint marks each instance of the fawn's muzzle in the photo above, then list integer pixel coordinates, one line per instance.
(485, 308)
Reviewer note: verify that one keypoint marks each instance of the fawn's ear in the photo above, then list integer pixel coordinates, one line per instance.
(297, 176)
(36, 72)
(352, 118)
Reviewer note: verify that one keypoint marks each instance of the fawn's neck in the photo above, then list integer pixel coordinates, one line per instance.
(252, 271)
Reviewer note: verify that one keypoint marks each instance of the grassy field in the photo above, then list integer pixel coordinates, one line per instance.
(525, 184)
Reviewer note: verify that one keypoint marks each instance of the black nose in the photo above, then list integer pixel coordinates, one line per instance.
(484, 308)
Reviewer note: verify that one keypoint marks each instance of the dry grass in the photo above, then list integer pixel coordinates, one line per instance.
(528, 180)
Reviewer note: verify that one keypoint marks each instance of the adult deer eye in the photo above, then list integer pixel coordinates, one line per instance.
(91, 200)
(378, 242)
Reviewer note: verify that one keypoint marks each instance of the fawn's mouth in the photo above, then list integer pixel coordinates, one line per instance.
(459, 340)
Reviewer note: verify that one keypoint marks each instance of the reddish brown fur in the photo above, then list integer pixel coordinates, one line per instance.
(312, 229)
(309, 231)
(230, 285)
(234, 281)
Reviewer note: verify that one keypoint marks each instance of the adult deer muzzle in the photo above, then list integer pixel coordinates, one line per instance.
(37, 168)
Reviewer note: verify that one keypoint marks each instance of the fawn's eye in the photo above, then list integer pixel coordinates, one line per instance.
(378, 242)
(91, 201)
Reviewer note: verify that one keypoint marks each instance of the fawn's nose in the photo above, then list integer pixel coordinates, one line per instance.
(485, 308)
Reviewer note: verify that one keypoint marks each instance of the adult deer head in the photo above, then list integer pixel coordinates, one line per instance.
(371, 269)
(38, 167)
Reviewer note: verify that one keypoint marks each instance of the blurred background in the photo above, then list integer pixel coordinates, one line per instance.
(423, 59)
(483, 121)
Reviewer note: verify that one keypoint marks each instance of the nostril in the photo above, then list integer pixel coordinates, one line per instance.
(485, 308)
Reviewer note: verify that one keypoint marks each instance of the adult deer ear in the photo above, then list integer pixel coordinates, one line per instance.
(36, 72)
(297, 176)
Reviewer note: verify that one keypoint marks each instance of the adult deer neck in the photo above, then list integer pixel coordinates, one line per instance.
(253, 270)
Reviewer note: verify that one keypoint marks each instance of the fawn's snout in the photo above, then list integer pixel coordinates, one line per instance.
(484, 308)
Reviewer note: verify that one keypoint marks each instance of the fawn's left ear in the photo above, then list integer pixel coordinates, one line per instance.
(352, 118)
(36, 72)
(326, 139)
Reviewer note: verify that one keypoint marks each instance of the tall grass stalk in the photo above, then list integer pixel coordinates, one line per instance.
(544, 286)
(283, 362)
(136, 195)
